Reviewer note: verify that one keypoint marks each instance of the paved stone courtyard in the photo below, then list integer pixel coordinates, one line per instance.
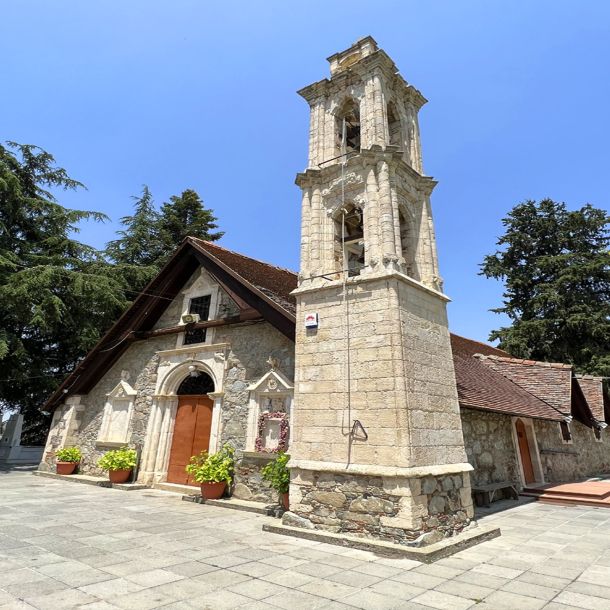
(65, 545)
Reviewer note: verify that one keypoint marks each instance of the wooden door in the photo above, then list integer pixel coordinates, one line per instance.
(191, 436)
(524, 450)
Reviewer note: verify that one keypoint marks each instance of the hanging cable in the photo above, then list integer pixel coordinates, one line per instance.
(348, 382)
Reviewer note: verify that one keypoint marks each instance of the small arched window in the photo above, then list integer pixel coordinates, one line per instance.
(349, 237)
(347, 127)
(394, 125)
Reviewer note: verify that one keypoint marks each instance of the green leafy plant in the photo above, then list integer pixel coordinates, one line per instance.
(215, 468)
(118, 459)
(277, 474)
(69, 454)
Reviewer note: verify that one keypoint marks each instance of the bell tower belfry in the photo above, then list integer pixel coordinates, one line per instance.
(377, 447)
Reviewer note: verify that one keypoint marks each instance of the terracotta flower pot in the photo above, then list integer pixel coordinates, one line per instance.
(284, 501)
(66, 467)
(119, 476)
(213, 491)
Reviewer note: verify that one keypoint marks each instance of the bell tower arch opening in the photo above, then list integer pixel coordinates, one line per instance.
(394, 125)
(349, 240)
(347, 127)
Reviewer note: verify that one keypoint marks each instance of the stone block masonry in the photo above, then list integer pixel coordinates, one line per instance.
(412, 511)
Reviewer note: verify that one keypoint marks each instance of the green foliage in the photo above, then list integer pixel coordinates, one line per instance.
(215, 468)
(183, 216)
(118, 459)
(57, 295)
(277, 474)
(68, 454)
(555, 265)
(150, 237)
(138, 249)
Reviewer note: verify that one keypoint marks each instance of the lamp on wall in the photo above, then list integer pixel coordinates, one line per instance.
(193, 372)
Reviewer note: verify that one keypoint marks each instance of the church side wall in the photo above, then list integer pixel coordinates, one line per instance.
(490, 447)
(141, 362)
(584, 457)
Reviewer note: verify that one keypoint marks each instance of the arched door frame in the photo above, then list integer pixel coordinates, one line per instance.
(159, 434)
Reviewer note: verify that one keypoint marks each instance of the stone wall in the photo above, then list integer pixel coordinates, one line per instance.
(140, 361)
(249, 484)
(490, 447)
(418, 510)
(250, 347)
(402, 379)
(584, 457)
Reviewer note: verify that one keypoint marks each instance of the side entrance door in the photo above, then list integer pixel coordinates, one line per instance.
(524, 450)
(191, 436)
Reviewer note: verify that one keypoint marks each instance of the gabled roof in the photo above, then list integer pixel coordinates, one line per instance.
(481, 387)
(275, 282)
(549, 381)
(255, 286)
(593, 390)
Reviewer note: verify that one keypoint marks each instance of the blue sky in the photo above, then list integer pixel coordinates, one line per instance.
(201, 95)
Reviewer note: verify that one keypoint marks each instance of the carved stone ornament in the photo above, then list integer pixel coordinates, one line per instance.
(273, 363)
(272, 383)
(350, 179)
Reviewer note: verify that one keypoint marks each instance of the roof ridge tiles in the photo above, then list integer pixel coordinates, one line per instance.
(258, 260)
(554, 365)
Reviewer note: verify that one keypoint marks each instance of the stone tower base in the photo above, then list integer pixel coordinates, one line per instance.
(411, 506)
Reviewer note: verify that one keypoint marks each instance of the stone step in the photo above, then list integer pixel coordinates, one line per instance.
(90, 480)
(236, 504)
(177, 488)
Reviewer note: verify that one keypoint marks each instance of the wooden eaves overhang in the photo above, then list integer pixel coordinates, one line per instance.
(138, 320)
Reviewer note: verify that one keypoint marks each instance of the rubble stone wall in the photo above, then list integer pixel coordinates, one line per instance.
(490, 447)
(412, 511)
(584, 457)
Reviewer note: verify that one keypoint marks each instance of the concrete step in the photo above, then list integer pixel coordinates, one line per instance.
(569, 500)
(595, 490)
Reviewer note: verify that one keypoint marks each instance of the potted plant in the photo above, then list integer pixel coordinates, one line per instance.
(213, 472)
(68, 459)
(119, 463)
(278, 476)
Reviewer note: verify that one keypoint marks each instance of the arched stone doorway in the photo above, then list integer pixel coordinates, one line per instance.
(193, 424)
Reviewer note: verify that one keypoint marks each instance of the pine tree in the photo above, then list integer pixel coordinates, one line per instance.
(138, 250)
(56, 294)
(185, 215)
(555, 265)
(139, 242)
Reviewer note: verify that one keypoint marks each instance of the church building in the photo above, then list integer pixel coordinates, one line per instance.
(349, 366)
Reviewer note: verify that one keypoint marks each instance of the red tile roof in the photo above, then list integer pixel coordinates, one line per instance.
(481, 387)
(593, 390)
(549, 381)
(275, 282)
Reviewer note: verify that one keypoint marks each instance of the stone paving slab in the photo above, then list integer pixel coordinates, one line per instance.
(77, 546)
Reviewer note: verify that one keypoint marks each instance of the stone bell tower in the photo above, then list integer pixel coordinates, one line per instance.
(377, 447)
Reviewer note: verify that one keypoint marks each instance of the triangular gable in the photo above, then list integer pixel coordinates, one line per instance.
(139, 319)
(273, 382)
(122, 390)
